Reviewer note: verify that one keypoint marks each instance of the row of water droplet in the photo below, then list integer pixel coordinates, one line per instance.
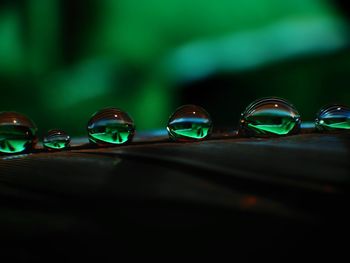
(267, 117)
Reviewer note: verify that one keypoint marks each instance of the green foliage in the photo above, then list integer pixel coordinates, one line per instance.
(60, 61)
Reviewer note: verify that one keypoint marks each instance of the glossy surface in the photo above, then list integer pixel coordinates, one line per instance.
(333, 118)
(56, 140)
(189, 122)
(17, 133)
(110, 126)
(269, 117)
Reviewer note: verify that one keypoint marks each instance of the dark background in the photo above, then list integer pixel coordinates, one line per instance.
(62, 60)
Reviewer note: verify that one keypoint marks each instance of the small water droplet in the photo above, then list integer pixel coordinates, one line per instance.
(189, 122)
(333, 118)
(269, 117)
(17, 132)
(110, 126)
(56, 140)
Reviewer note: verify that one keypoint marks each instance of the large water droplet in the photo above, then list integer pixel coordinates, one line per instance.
(56, 140)
(17, 133)
(110, 126)
(333, 118)
(189, 122)
(269, 117)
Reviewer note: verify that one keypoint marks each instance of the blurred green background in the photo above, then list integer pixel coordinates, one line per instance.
(62, 60)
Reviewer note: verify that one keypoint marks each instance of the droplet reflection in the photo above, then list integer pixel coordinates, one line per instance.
(333, 118)
(188, 123)
(110, 126)
(17, 133)
(56, 140)
(269, 117)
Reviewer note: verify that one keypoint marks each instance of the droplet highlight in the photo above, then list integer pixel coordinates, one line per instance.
(56, 140)
(110, 126)
(17, 133)
(268, 117)
(333, 118)
(188, 123)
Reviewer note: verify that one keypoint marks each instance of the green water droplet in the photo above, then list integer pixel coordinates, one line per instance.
(188, 123)
(56, 140)
(333, 118)
(17, 133)
(269, 117)
(110, 126)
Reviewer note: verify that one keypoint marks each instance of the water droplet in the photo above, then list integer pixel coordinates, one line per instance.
(56, 139)
(269, 117)
(189, 122)
(110, 126)
(17, 133)
(333, 118)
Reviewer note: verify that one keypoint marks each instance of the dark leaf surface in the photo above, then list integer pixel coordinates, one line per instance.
(247, 191)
